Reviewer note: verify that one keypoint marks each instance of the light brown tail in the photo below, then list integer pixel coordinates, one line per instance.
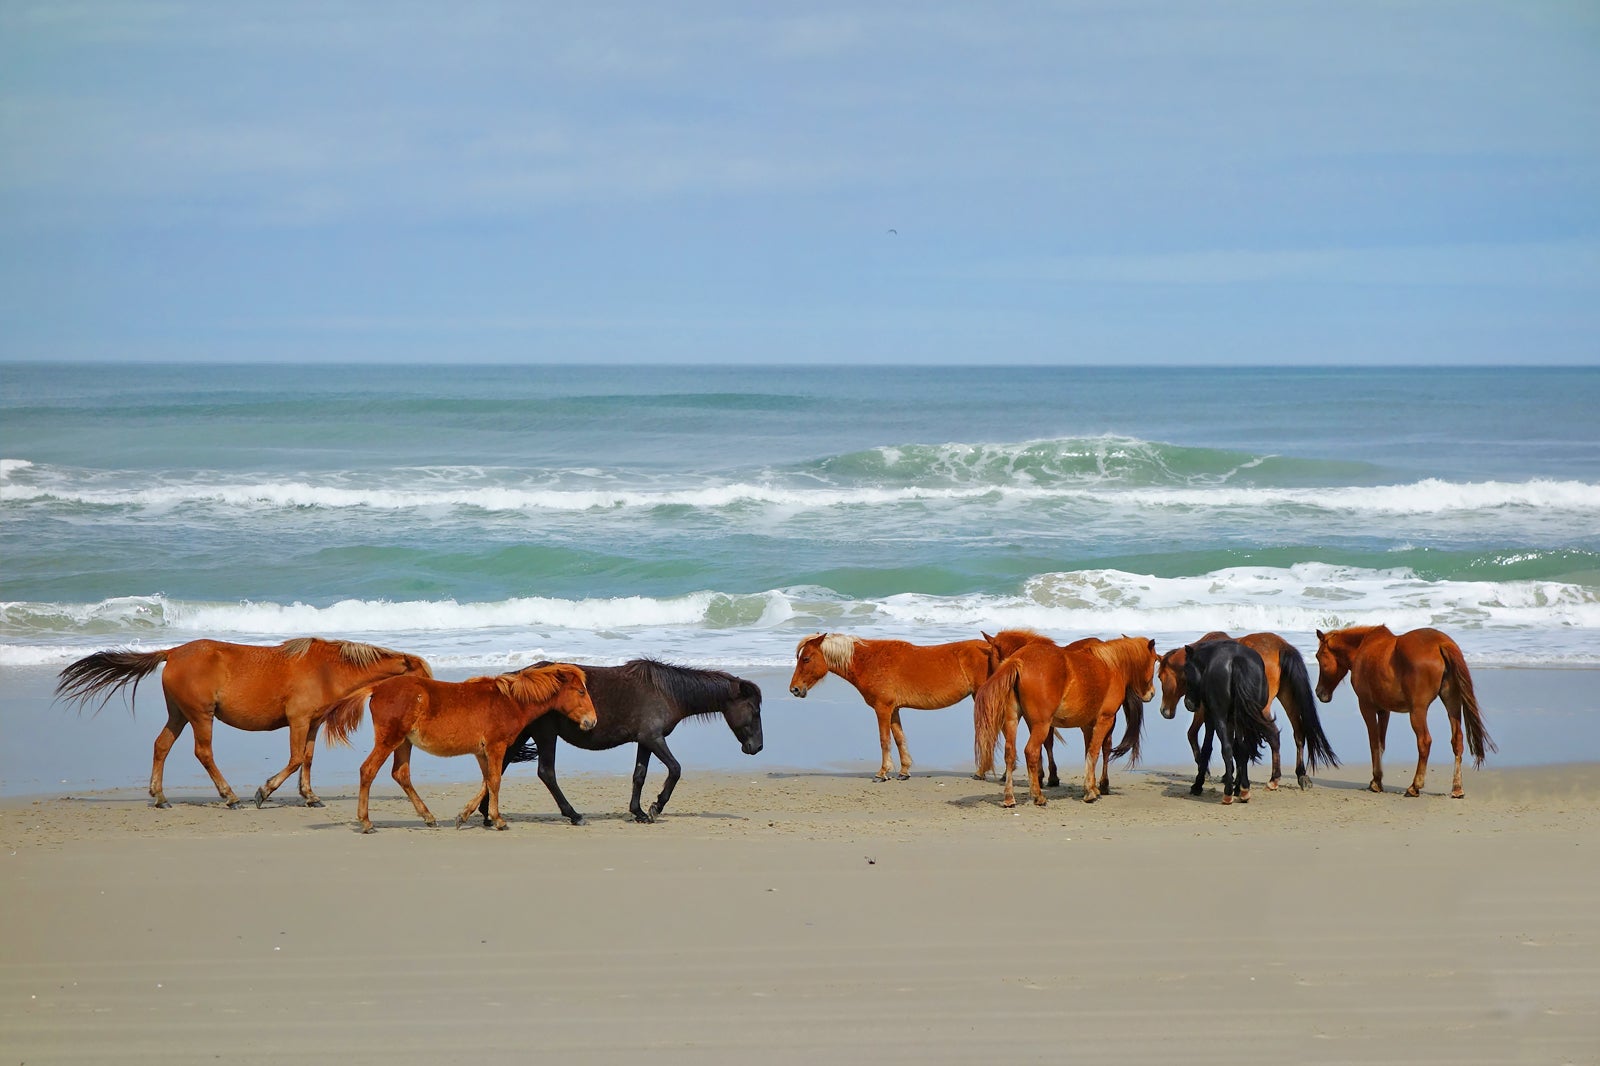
(344, 716)
(995, 698)
(107, 671)
(1456, 673)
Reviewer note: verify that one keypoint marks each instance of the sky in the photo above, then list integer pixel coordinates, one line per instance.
(1163, 182)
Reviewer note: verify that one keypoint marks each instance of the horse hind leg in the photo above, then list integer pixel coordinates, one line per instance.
(1277, 762)
(1202, 761)
(306, 792)
(1419, 725)
(1458, 736)
(176, 723)
(202, 750)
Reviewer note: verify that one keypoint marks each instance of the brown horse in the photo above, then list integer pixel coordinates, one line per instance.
(1402, 675)
(1081, 687)
(1008, 642)
(243, 685)
(890, 675)
(1287, 682)
(480, 716)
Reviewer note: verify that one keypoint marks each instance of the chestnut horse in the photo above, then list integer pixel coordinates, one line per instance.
(1402, 675)
(243, 685)
(480, 716)
(1287, 682)
(890, 675)
(1006, 643)
(1079, 687)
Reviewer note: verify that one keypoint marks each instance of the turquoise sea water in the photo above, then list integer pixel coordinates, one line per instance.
(487, 515)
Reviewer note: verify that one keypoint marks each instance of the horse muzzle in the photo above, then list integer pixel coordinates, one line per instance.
(751, 747)
(588, 723)
(798, 692)
(1169, 713)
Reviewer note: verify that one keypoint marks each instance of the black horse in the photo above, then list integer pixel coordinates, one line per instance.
(1228, 681)
(641, 702)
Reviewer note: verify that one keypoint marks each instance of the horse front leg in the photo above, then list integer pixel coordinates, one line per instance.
(1377, 729)
(1419, 726)
(1195, 724)
(297, 757)
(401, 772)
(489, 763)
(885, 722)
(641, 767)
(202, 750)
(659, 748)
(176, 722)
(899, 735)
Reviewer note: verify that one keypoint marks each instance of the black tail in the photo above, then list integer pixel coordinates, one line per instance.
(527, 751)
(1293, 679)
(1133, 709)
(1251, 726)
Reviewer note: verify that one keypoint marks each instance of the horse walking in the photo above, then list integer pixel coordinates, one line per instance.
(1226, 682)
(891, 675)
(245, 686)
(1081, 688)
(1287, 682)
(1402, 674)
(641, 702)
(479, 716)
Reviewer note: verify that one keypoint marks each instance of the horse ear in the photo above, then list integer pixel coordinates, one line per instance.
(1188, 650)
(1152, 643)
(986, 636)
(1321, 636)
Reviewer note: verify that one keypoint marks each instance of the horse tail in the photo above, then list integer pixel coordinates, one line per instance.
(1133, 707)
(108, 671)
(344, 716)
(994, 699)
(527, 751)
(1456, 672)
(1252, 727)
(1293, 679)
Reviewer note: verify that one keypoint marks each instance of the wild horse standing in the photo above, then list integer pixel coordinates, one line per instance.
(1227, 682)
(479, 716)
(1049, 686)
(641, 702)
(1402, 675)
(890, 675)
(245, 686)
(1287, 682)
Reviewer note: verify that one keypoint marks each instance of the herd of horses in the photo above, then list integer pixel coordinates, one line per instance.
(1015, 678)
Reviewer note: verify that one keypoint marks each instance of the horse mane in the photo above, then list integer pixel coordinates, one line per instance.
(349, 650)
(839, 649)
(700, 692)
(537, 684)
(1119, 652)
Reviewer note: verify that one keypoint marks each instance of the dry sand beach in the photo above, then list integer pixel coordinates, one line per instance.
(803, 915)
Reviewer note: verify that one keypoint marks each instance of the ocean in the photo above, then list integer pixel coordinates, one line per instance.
(488, 516)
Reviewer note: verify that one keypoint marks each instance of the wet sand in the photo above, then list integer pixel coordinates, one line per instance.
(801, 916)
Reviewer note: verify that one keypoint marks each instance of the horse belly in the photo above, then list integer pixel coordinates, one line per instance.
(446, 743)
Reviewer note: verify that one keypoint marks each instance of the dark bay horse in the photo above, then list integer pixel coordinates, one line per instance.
(641, 702)
(1287, 682)
(1402, 675)
(245, 686)
(1081, 687)
(480, 716)
(891, 675)
(1228, 681)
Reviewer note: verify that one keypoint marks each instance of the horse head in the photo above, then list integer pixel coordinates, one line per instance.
(1333, 662)
(1170, 670)
(1193, 681)
(561, 687)
(810, 665)
(1148, 659)
(743, 715)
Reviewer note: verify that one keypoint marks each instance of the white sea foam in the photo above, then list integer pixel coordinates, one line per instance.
(11, 466)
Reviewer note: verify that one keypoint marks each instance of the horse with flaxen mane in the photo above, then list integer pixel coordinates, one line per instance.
(1287, 682)
(480, 716)
(1227, 682)
(1402, 675)
(891, 675)
(1081, 688)
(641, 702)
(245, 686)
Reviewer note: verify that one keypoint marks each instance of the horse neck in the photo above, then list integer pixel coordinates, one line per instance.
(1348, 640)
(1122, 655)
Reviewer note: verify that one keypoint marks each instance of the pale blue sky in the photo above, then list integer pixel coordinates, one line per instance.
(1170, 181)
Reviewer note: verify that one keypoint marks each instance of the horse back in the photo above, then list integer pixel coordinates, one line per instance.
(920, 676)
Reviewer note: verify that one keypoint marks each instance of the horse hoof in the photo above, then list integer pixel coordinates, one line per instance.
(233, 803)
(1195, 790)
(1244, 796)
(313, 802)
(1458, 794)
(1272, 786)
(1008, 804)
(366, 828)
(162, 805)
(578, 819)
(502, 826)
(1090, 797)
(261, 797)
(654, 812)
(1303, 781)
(1413, 792)
(880, 778)
(1375, 787)
(1227, 800)
(905, 777)
(641, 817)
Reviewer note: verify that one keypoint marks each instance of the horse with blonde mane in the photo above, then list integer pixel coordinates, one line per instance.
(1287, 682)
(480, 716)
(891, 675)
(1080, 688)
(1403, 674)
(243, 685)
